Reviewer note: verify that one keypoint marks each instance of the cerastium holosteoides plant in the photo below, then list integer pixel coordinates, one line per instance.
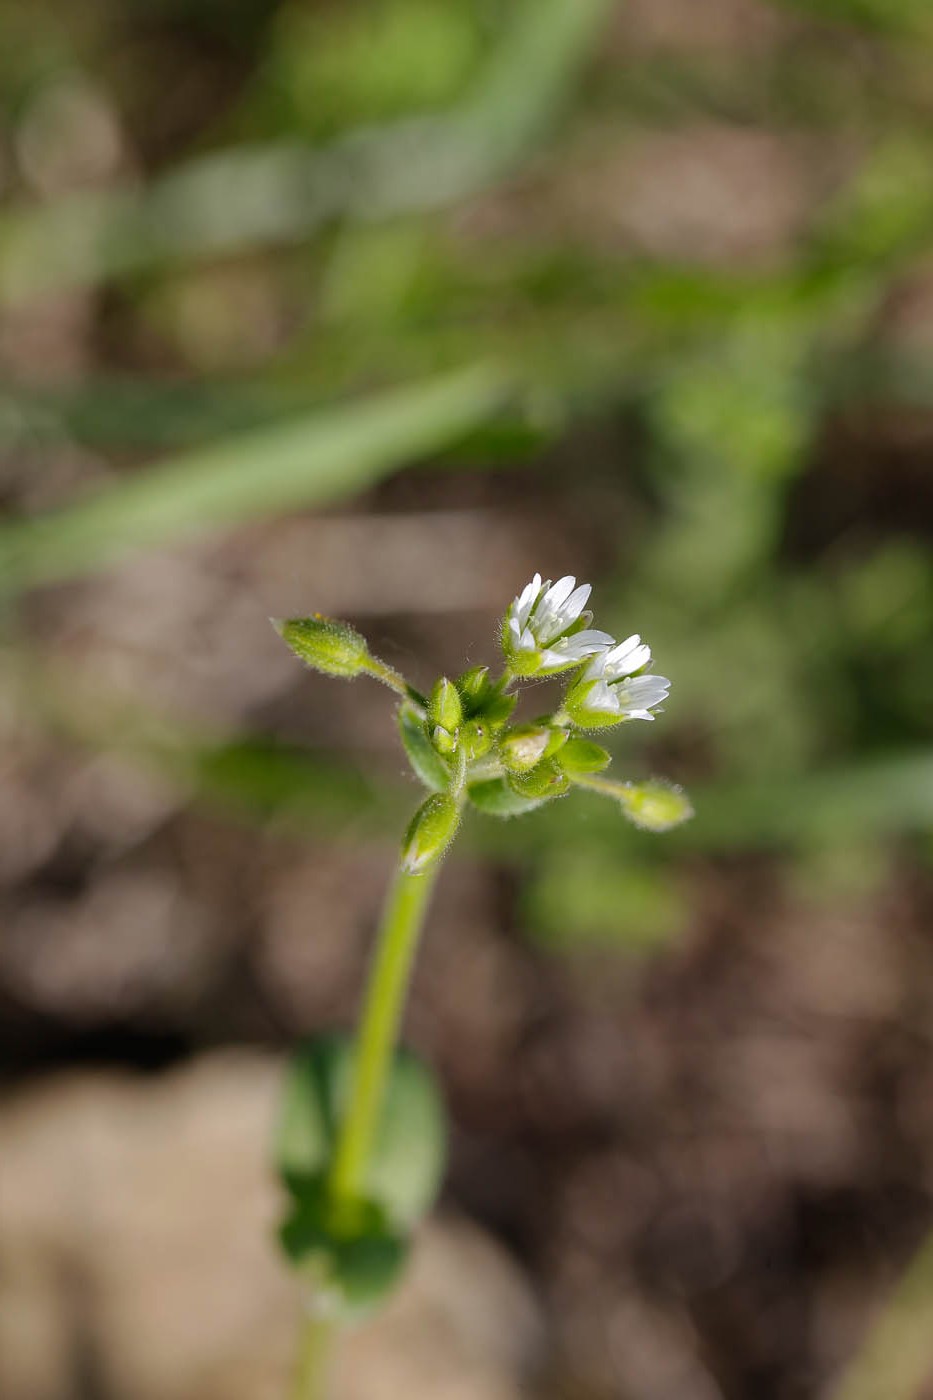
(361, 1139)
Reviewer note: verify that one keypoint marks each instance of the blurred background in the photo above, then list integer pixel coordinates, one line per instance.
(374, 308)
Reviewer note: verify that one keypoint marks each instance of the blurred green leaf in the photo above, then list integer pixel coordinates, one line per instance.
(408, 1156)
(310, 461)
(247, 197)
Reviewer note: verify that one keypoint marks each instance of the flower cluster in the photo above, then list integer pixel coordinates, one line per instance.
(460, 739)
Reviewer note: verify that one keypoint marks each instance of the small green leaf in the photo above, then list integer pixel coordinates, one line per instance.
(583, 756)
(495, 798)
(408, 1156)
(422, 755)
(350, 1248)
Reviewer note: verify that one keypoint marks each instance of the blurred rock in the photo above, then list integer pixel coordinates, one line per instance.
(137, 1258)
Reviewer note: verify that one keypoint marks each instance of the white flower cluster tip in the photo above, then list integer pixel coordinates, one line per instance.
(546, 631)
(543, 633)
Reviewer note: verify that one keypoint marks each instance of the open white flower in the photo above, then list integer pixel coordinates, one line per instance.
(545, 628)
(609, 691)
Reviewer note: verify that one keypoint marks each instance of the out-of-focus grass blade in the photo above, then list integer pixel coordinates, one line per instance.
(306, 461)
(251, 196)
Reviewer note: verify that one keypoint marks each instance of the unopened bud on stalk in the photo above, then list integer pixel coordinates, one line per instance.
(333, 647)
(430, 832)
(655, 805)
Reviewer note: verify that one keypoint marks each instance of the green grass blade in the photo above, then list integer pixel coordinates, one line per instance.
(306, 461)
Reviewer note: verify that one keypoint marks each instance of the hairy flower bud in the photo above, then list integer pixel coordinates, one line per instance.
(475, 738)
(544, 780)
(656, 805)
(523, 746)
(430, 832)
(444, 706)
(333, 647)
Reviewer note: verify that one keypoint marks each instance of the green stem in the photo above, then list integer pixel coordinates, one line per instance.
(315, 1346)
(382, 671)
(383, 1005)
(606, 787)
(382, 1013)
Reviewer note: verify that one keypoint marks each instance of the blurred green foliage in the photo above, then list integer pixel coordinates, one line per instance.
(350, 174)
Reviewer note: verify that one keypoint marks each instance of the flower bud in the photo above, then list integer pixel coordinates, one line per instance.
(430, 832)
(444, 706)
(544, 780)
(656, 805)
(482, 698)
(333, 647)
(443, 740)
(523, 746)
(475, 738)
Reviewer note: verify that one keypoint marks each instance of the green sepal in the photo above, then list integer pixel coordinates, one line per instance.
(483, 698)
(445, 707)
(422, 755)
(475, 738)
(408, 1154)
(583, 756)
(495, 798)
(543, 781)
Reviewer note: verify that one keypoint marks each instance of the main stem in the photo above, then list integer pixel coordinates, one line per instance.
(383, 1005)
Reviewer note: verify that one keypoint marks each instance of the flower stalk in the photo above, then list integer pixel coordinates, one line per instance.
(349, 1225)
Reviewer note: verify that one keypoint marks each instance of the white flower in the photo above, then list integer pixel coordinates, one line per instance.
(537, 636)
(608, 691)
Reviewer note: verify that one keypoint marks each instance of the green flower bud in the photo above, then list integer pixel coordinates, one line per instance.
(545, 780)
(443, 740)
(472, 686)
(482, 698)
(444, 706)
(583, 756)
(333, 647)
(430, 832)
(476, 738)
(656, 805)
(524, 746)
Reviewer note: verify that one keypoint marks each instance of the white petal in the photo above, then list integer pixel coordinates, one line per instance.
(591, 639)
(604, 699)
(641, 693)
(558, 595)
(576, 602)
(626, 658)
(525, 601)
